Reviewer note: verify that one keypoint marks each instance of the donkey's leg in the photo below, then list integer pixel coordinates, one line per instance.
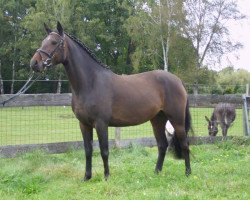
(224, 131)
(87, 133)
(102, 133)
(158, 124)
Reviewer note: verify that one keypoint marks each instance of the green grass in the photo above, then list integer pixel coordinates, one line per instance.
(219, 171)
(43, 124)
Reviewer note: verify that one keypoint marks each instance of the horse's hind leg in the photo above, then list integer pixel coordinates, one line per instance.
(158, 124)
(182, 146)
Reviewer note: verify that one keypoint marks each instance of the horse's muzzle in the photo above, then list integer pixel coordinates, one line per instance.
(35, 66)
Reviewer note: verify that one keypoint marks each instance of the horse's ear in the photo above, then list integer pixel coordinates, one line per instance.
(207, 119)
(59, 28)
(47, 29)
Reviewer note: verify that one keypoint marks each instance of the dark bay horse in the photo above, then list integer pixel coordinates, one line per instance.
(223, 114)
(101, 98)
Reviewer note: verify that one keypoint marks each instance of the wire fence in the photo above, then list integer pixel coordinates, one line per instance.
(55, 122)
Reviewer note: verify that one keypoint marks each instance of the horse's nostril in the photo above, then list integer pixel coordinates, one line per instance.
(33, 63)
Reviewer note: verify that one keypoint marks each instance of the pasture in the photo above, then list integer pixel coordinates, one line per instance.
(48, 124)
(219, 171)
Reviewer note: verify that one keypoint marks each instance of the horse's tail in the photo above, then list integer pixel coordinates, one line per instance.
(188, 120)
(188, 125)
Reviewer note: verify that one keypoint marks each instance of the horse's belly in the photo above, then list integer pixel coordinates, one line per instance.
(124, 122)
(133, 115)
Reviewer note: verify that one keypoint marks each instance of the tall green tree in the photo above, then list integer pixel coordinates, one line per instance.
(89, 21)
(182, 58)
(233, 81)
(5, 36)
(154, 28)
(103, 23)
(12, 14)
(207, 27)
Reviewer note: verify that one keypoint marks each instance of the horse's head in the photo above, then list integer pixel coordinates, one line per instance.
(212, 127)
(51, 52)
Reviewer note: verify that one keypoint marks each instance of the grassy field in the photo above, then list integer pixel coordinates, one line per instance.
(43, 124)
(219, 171)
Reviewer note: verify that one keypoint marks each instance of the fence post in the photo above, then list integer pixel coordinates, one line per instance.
(245, 110)
(195, 89)
(117, 136)
(244, 117)
(247, 90)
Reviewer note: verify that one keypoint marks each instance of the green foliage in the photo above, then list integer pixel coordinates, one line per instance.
(123, 34)
(233, 80)
(182, 59)
(150, 29)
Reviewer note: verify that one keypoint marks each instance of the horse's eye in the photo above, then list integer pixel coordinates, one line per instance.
(54, 42)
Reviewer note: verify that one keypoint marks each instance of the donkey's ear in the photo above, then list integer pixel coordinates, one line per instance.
(59, 28)
(207, 118)
(47, 29)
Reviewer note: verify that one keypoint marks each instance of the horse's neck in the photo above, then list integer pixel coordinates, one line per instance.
(80, 68)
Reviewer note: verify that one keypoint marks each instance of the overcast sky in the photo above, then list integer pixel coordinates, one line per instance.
(241, 32)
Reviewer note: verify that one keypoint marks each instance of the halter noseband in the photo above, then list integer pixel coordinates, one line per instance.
(50, 55)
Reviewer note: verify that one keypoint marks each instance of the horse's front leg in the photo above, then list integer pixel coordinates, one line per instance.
(87, 133)
(102, 133)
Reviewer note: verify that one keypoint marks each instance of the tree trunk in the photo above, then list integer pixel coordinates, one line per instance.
(129, 51)
(13, 78)
(1, 79)
(165, 53)
(13, 68)
(165, 43)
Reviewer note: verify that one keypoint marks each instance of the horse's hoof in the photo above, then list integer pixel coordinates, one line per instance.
(106, 176)
(157, 171)
(86, 178)
(188, 172)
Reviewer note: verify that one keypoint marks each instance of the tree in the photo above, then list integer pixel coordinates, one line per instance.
(14, 12)
(206, 27)
(11, 15)
(106, 33)
(4, 37)
(167, 17)
(233, 81)
(151, 28)
(182, 58)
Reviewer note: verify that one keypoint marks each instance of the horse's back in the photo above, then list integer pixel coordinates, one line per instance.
(140, 97)
(157, 79)
(149, 86)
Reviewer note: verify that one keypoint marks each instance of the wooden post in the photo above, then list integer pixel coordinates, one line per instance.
(195, 89)
(246, 111)
(244, 116)
(247, 90)
(117, 136)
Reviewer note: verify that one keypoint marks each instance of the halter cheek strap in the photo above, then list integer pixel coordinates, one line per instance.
(51, 54)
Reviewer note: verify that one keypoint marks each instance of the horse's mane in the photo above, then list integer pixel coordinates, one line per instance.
(89, 51)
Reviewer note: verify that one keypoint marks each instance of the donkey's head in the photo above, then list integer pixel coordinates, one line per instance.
(212, 127)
